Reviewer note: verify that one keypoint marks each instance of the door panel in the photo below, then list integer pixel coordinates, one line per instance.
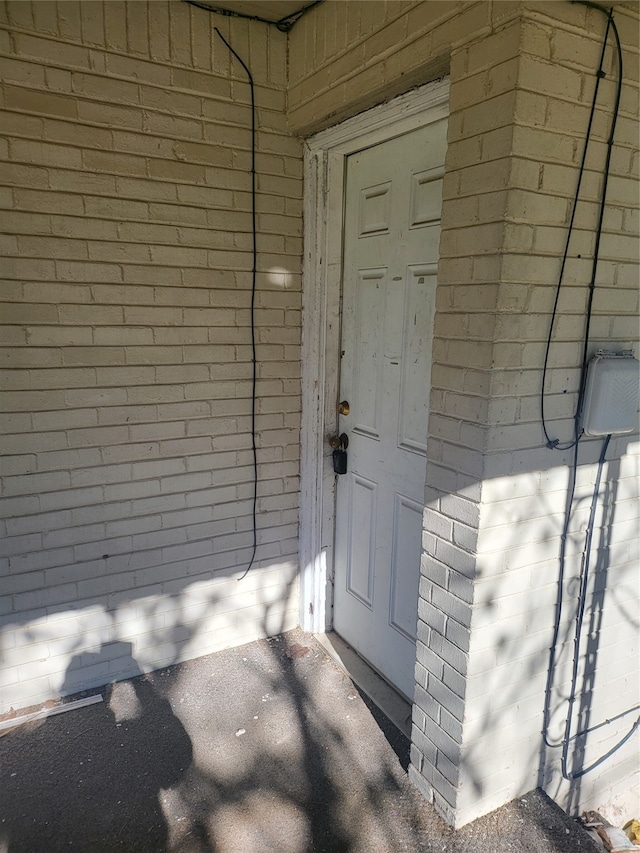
(391, 237)
(369, 311)
(362, 538)
(407, 535)
(416, 350)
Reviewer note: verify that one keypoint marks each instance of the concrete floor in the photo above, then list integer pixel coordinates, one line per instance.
(258, 749)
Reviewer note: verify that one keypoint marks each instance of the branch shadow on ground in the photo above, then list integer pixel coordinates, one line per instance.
(239, 751)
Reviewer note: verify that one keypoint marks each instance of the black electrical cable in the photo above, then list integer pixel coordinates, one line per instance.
(605, 183)
(604, 723)
(577, 775)
(582, 596)
(546, 716)
(582, 591)
(283, 24)
(584, 580)
(254, 271)
(555, 444)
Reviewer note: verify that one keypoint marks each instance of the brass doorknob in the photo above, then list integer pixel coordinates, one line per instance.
(344, 408)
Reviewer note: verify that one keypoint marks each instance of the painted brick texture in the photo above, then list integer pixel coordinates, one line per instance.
(521, 79)
(126, 358)
(525, 486)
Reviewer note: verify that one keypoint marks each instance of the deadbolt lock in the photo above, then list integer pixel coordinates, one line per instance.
(344, 408)
(337, 441)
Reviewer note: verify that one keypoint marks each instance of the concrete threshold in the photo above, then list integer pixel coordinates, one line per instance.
(392, 704)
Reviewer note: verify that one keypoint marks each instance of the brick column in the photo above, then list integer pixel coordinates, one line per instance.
(495, 500)
(483, 75)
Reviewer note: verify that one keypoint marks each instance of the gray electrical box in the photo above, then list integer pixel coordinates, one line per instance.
(611, 394)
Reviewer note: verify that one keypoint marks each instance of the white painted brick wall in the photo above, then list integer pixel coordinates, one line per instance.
(521, 83)
(523, 504)
(126, 341)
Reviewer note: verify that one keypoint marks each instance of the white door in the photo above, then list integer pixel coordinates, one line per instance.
(391, 237)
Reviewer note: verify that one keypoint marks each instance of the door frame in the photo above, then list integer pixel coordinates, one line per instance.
(324, 184)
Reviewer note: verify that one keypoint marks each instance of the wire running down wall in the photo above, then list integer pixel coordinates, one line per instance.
(128, 485)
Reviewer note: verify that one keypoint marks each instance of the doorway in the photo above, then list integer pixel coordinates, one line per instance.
(373, 190)
(393, 199)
